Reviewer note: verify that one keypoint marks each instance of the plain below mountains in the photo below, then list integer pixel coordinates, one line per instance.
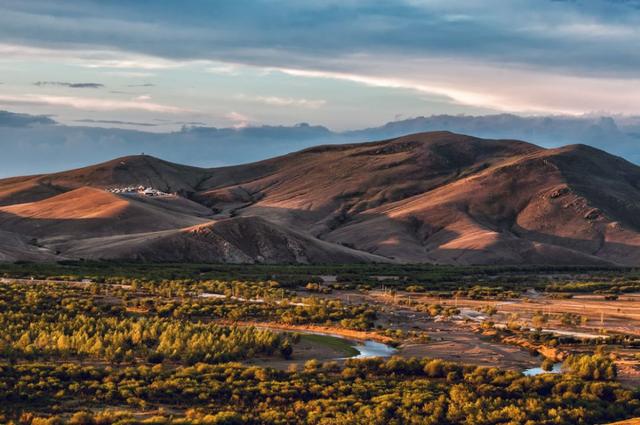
(433, 197)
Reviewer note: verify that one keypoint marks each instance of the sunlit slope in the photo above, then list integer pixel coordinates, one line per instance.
(133, 170)
(90, 212)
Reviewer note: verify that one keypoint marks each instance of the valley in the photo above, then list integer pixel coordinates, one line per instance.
(278, 212)
(416, 331)
(434, 278)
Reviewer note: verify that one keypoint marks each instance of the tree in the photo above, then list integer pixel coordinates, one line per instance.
(82, 418)
(539, 320)
(286, 349)
(547, 364)
(591, 367)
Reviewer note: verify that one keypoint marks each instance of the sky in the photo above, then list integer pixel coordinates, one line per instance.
(159, 65)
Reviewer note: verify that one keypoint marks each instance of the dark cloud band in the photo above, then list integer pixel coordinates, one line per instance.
(12, 119)
(117, 122)
(591, 37)
(70, 85)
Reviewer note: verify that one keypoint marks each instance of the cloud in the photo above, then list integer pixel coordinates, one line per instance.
(141, 85)
(117, 122)
(284, 101)
(191, 123)
(454, 93)
(223, 69)
(71, 85)
(518, 90)
(12, 119)
(92, 57)
(146, 63)
(598, 36)
(239, 120)
(130, 74)
(530, 56)
(88, 103)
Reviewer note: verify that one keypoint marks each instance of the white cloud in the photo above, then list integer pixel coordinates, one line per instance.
(285, 101)
(223, 69)
(500, 88)
(239, 120)
(124, 62)
(88, 103)
(458, 95)
(108, 59)
(130, 74)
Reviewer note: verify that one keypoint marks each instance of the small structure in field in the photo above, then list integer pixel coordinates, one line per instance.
(137, 190)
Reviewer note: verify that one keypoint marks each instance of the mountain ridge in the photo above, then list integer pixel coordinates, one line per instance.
(435, 197)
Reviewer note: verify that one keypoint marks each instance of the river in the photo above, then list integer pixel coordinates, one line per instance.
(557, 368)
(373, 349)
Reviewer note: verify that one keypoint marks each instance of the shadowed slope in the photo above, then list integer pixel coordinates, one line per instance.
(14, 247)
(236, 240)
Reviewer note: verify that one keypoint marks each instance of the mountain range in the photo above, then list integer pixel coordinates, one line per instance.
(36, 144)
(435, 197)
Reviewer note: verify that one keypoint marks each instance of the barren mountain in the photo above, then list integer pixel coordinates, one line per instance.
(430, 197)
(139, 170)
(88, 211)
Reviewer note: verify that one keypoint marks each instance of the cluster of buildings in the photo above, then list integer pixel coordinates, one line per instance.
(137, 190)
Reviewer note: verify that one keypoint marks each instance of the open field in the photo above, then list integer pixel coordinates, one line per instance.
(336, 344)
(621, 315)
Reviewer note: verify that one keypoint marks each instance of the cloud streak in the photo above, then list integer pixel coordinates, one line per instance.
(284, 101)
(88, 103)
(117, 122)
(70, 85)
(503, 89)
(12, 119)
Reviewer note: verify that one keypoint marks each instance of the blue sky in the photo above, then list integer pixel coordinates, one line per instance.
(159, 65)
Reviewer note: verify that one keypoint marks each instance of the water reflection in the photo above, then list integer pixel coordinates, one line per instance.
(557, 368)
(373, 349)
